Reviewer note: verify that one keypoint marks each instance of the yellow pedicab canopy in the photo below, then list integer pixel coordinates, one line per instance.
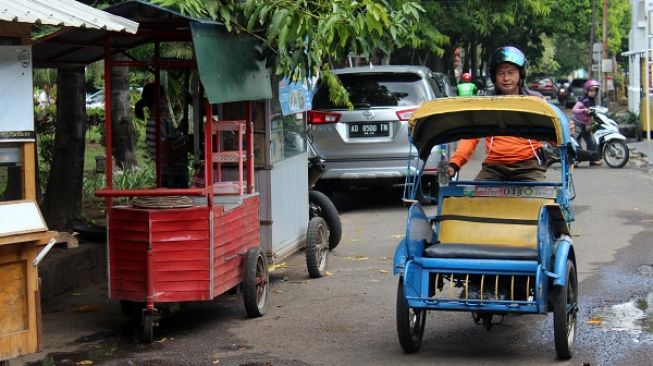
(450, 119)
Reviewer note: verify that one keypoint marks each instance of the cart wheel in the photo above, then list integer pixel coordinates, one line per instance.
(410, 322)
(565, 312)
(148, 327)
(321, 205)
(256, 284)
(317, 247)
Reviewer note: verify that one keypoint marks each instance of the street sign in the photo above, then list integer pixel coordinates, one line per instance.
(606, 65)
(596, 68)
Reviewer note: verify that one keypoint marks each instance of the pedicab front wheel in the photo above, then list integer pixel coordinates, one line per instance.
(565, 313)
(410, 322)
(256, 283)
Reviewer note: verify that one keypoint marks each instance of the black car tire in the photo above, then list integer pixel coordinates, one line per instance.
(328, 211)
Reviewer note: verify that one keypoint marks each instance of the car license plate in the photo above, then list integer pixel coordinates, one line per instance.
(369, 129)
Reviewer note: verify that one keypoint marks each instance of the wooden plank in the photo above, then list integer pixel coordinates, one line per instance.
(29, 171)
(127, 235)
(185, 245)
(193, 225)
(179, 236)
(194, 265)
(174, 296)
(121, 265)
(132, 286)
(132, 256)
(182, 256)
(13, 297)
(181, 286)
(136, 296)
(128, 245)
(129, 225)
(175, 214)
(129, 275)
(173, 276)
(225, 267)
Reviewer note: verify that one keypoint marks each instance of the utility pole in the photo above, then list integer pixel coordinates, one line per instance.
(589, 73)
(604, 55)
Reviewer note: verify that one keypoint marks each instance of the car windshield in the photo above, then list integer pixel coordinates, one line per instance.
(377, 90)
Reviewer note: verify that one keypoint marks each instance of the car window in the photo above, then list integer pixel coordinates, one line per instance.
(376, 90)
(578, 82)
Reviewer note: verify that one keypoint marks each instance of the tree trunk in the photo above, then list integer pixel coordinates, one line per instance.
(123, 137)
(62, 201)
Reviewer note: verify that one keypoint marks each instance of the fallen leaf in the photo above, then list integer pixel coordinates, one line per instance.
(281, 265)
(87, 308)
(327, 273)
(595, 321)
(216, 362)
(277, 291)
(355, 239)
(85, 362)
(162, 340)
(76, 294)
(383, 271)
(397, 236)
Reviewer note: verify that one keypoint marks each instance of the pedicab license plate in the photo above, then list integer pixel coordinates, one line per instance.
(369, 129)
(514, 191)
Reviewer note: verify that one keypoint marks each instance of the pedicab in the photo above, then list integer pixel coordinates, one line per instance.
(492, 248)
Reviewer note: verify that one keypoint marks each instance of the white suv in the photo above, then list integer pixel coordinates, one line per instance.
(369, 145)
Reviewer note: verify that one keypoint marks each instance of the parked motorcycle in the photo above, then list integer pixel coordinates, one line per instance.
(609, 142)
(320, 211)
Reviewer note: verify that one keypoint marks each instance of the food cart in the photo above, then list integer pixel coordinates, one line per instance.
(163, 248)
(23, 232)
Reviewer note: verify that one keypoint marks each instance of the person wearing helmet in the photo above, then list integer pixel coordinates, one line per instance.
(507, 158)
(466, 88)
(581, 116)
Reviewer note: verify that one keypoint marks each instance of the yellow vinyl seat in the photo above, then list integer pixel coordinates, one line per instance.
(488, 227)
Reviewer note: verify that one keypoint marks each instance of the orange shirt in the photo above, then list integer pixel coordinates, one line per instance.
(498, 150)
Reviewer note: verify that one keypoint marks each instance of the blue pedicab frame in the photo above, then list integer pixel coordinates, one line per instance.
(546, 272)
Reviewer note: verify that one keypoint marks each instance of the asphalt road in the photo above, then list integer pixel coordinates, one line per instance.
(348, 317)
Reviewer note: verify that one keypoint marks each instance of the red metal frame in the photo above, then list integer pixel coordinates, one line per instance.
(177, 254)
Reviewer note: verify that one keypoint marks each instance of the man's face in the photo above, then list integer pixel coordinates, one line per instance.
(506, 78)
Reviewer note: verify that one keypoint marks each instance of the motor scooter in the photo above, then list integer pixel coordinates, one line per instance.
(562, 96)
(609, 143)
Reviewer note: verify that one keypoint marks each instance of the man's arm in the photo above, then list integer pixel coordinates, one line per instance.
(462, 154)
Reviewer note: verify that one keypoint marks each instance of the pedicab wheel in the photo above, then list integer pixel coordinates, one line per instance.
(616, 154)
(317, 247)
(410, 322)
(256, 283)
(321, 205)
(565, 310)
(148, 327)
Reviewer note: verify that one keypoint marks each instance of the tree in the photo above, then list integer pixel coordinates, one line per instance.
(62, 198)
(306, 37)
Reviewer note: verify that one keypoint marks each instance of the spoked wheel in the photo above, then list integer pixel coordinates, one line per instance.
(148, 326)
(317, 247)
(565, 313)
(256, 284)
(410, 322)
(320, 205)
(616, 153)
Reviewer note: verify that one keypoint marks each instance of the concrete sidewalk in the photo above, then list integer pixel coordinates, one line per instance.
(645, 147)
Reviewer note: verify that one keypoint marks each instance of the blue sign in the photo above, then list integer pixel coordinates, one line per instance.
(294, 96)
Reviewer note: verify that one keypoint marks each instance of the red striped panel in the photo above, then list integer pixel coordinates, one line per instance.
(129, 225)
(125, 213)
(183, 276)
(117, 255)
(119, 265)
(228, 283)
(182, 256)
(190, 225)
(193, 265)
(136, 246)
(175, 296)
(180, 286)
(179, 235)
(130, 275)
(179, 214)
(131, 286)
(184, 245)
(224, 267)
(127, 235)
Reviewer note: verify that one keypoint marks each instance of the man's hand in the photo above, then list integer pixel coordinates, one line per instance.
(451, 171)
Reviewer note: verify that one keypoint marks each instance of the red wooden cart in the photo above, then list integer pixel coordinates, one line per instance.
(163, 248)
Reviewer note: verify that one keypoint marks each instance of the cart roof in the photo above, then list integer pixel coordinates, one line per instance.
(451, 119)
